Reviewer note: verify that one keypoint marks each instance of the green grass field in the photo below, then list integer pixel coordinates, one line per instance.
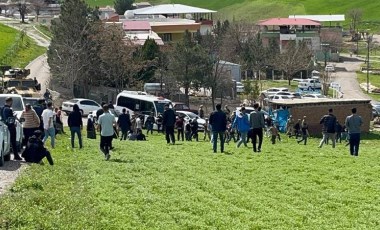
(260, 9)
(151, 185)
(28, 49)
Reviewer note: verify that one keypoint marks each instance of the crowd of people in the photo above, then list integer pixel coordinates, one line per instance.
(43, 121)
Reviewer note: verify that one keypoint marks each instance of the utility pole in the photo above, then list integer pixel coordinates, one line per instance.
(369, 39)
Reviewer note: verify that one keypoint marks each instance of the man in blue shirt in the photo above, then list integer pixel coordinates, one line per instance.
(353, 124)
(106, 122)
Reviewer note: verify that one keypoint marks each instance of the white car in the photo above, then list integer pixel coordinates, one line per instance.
(239, 87)
(5, 142)
(17, 107)
(314, 96)
(86, 106)
(187, 116)
(309, 84)
(330, 68)
(273, 91)
(280, 97)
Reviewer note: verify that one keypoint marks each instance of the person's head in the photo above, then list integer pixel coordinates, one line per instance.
(110, 102)
(259, 108)
(49, 104)
(103, 103)
(41, 101)
(37, 134)
(139, 131)
(105, 108)
(330, 110)
(166, 107)
(56, 109)
(353, 110)
(242, 109)
(201, 106)
(60, 107)
(75, 108)
(218, 106)
(124, 110)
(256, 105)
(8, 101)
(28, 107)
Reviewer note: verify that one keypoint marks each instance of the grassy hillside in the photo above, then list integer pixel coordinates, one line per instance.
(17, 50)
(152, 185)
(260, 9)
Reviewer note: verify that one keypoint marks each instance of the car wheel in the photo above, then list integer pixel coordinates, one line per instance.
(81, 112)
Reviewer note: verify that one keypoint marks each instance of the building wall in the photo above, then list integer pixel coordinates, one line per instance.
(314, 113)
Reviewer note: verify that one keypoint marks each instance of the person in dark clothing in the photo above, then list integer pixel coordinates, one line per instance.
(110, 105)
(256, 119)
(329, 123)
(338, 129)
(91, 132)
(188, 132)
(179, 124)
(149, 123)
(35, 150)
(140, 136)
(218, 122)
(124, 122)
(100, 111)
(168, 122)
(76, 125)
(297, 128)
(159, 122)
(304, 131)
(194, 129)
(9, 119)
(39, 109)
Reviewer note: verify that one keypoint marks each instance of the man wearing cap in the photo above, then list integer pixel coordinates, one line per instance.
(168, 122)
(7, 116)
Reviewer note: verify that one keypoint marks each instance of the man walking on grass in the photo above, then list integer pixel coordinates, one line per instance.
(48, 119)
(106, 122)
(168, 122)
(353, 124)
(256, 119)
(218, 122)
(328, 130)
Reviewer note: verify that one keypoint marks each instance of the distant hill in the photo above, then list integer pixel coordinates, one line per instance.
(253, 10)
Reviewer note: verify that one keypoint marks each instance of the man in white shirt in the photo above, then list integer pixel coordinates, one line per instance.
(106, 122)
(48, 121)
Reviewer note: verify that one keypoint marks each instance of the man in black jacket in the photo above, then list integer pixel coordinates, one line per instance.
(328, 130)
(218, 122)
(168, 122)
(9, 119)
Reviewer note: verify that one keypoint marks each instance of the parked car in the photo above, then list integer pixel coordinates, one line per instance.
(239, 87)
(375, 110)
(273, 91)
(18, 106)
(330, 68)
(5, 142)
(290, 94)
(183, 107)
(86, 106)
(190, 116)
(309, 84)
(314, 96)
(280, 97)
(297, 95)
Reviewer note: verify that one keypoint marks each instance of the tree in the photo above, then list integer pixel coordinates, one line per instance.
(254, 54)
(294, 58)
(36, 5)
(355, 16)
(148, 55)
(188, 61)
(123, 5)
(72, 55)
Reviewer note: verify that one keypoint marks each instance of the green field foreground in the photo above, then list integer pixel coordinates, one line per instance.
(151, 185)
(15, 51)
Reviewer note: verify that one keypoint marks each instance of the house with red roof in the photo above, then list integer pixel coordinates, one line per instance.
(291, 29)
(140, 31)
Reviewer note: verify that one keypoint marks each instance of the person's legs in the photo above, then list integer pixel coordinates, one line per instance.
(273, 139)
(12, 133)
(324, 137)
(182, 135)
(260, 134)
(46, 135)
(102, 144)
(355, 143)
(167, 135)
(243, 139)
(254, 139)
(171, 133)
(214, 141)
(221, 136)
(72, 131)
(48, 157)
(332, 137)
(305, 138)
(52, 137)
(80, 137)
(352, 143)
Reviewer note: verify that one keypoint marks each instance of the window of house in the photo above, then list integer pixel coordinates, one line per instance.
(166, 37)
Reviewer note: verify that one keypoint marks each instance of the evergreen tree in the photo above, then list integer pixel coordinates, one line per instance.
(123, 5)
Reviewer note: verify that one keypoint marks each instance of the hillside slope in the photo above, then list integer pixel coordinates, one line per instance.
(260, 9)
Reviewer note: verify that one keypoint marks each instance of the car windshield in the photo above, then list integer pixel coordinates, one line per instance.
(159, 107)
(17, 104)
(31, 101)
(192, 115)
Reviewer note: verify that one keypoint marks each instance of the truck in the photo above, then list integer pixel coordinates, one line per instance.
(15, 81)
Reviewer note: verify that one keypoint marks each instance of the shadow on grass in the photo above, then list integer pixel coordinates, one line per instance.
(125, 161)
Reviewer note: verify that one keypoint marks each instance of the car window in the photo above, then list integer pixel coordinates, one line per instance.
(73, 101)
(84, 103)
(92, 103)
(17, 104)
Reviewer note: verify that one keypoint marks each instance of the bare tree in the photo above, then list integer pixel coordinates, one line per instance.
(355, 16)
(294, 58)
